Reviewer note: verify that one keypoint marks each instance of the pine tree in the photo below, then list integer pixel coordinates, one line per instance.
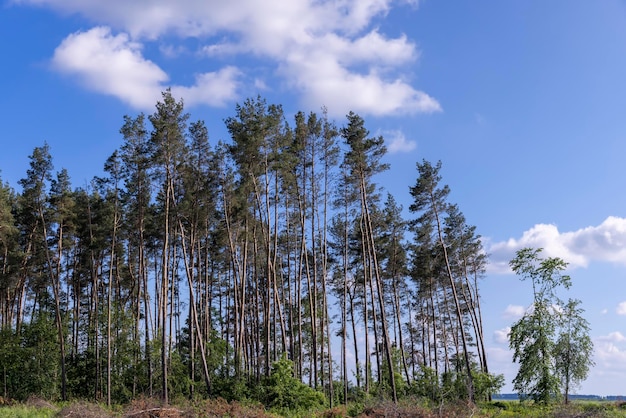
(9, 284)
(363, 160)
(135, 155)
(169, 148)
(430, 202)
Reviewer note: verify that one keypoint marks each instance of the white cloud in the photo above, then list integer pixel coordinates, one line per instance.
(215, 89)
(605, 242)
(372, 47)
(621, 308)
(323, 81)
(114, 65)
(192, 18)
(172, 51)
(501, 336)
(110, 64)
(397, 142)
(609, 357)
(613, 337)
(326, 50)
(514, 311)
(260, 85)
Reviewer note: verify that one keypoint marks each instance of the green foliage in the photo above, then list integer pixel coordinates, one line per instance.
(452, 385)
(486, 384)
(81, 375)
(513, 409)
(23, 411)
(30, 360)
(531, 340)
(10, 362)
(355, 409)
(219, 362)
(178, 381)
(382, 388)
(231, 388)
(426, 384)
(573, 348)
(282, 391)
(548, 364)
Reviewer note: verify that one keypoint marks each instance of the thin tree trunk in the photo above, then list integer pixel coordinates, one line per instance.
(56, 288)
(110, 287)
(165, 293)
(468, 367)
(192, 302)
(372, 253)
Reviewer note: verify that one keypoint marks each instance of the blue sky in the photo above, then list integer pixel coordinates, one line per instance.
(523, 101)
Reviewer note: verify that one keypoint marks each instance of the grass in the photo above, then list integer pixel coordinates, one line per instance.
(26, 411)
(220, 408)
(577, 409)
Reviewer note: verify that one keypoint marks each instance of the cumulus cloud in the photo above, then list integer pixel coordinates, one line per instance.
(610, 355)
(323, 81)
(613, 337)
(215, 88)
(605, 242)
(621, 308)
(110, 64)
(397, 142)
(501, 336)
(326, 51)
(514, 311)
(114, 65)
(192, 18)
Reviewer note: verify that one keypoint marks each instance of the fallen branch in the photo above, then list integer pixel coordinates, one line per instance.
(150, 412)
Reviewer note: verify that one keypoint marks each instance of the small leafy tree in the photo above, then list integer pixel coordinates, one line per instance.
(551, 341)
(573, 348)
(426, 384)
(283, 391)
(532, 337)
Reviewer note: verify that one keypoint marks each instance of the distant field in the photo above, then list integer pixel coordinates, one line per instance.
(582, 406)
(612, 398)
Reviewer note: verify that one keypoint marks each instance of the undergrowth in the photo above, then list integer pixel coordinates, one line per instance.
(220, 408)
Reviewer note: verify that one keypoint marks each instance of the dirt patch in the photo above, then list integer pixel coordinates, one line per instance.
(84, 410)
(37, 402)
(152, 408)
(209, 408)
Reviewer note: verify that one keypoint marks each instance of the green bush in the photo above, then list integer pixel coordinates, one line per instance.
(426, 384)
(282, 391)
(500, 405)
(30, 360)
(355, 409)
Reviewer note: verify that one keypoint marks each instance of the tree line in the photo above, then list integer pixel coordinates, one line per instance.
(198, 269)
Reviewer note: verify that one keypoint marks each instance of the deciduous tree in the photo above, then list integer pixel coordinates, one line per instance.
(573, 349)
(532, 338)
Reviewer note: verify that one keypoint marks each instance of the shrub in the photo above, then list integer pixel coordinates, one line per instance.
(283, 391)
(500, 405)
